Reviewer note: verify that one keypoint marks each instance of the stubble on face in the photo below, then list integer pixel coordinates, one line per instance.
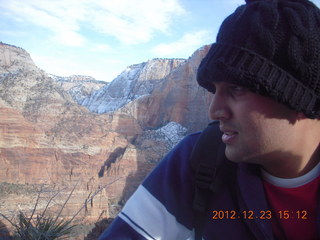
(259, 130)
(265, 130)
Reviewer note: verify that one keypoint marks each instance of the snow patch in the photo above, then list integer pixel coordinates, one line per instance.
(172, 133)
(116, 94)
(134, 82)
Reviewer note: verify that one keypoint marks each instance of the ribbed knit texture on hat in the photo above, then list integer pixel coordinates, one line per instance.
(273, 48)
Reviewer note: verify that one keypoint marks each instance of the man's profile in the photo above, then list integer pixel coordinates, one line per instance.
(264, 72)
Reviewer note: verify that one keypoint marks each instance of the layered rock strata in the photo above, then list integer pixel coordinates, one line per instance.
(51, 142)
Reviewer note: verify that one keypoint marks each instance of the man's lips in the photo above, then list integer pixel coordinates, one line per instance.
(228, 135)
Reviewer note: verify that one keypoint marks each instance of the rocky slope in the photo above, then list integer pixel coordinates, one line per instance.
(134, 82)
(155, 93)
(79, 86)
(177, 98)
(14, 59)
(47, 139)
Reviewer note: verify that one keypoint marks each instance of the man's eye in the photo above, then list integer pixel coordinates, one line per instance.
(238, 90)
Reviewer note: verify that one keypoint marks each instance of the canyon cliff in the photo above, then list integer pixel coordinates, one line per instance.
(101, 138)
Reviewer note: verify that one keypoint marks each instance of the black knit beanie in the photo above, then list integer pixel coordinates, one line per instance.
(272, 47)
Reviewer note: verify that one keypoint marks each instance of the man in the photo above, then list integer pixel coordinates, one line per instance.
(264, 71)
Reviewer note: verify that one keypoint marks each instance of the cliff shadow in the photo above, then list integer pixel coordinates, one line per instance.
(116, 154)
(4, 232)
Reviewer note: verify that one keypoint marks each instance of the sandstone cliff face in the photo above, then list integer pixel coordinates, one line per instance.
(136, 81)
(79, 86)
(48, 138)
(14, 59)
(157, 92)
(177, 98)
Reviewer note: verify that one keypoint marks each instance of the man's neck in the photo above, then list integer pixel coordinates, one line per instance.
(293, 166)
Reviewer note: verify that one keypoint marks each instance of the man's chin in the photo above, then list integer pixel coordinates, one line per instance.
(237, 156)
(232, 156)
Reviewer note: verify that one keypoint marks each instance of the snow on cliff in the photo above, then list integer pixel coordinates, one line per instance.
(135, 81)
(114, 95)
(78, 86)
(171, 133)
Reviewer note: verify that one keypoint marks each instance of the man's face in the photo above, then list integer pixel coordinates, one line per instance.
(255, 128)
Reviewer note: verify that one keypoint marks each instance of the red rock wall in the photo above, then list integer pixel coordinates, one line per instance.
(46, 138)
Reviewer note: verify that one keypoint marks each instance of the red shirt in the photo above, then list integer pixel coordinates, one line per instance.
(294, 203)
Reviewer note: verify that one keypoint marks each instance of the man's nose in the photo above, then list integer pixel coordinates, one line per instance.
(219, 109)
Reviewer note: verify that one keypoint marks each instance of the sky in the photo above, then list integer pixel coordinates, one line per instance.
(100, 38)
